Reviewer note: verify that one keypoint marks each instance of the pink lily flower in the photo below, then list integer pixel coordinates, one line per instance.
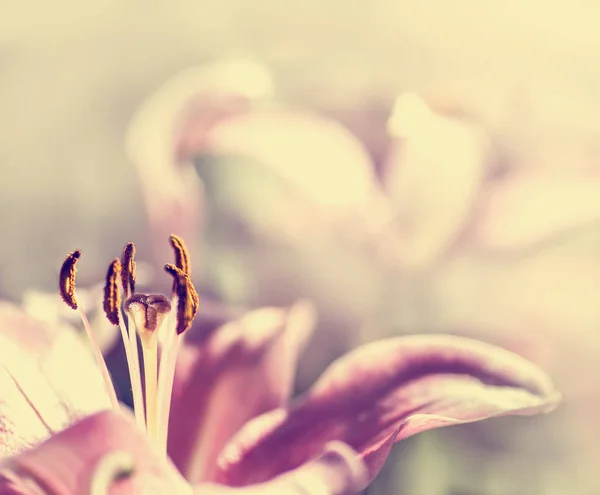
(228, 418)
(438, 194)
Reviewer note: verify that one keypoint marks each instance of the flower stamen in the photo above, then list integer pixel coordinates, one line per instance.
(130, 336)
(185, 299)
(67, 292)
(112, 308)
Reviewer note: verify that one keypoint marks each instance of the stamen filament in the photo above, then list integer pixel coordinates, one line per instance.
(166, 374)
(133, 364)
(137, 373)
(150, 350)
(108, 385)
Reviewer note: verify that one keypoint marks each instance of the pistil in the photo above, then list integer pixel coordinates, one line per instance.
(147, 313)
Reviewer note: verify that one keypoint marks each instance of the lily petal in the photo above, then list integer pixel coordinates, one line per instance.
(337, 471)
(384, 392)
(433, 173)
(243, 369)
(317, 155)
(69, 462)
(170, 127)
(40, 395)
(526, 209)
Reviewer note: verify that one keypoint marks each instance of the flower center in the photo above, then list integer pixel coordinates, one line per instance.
(147, 315)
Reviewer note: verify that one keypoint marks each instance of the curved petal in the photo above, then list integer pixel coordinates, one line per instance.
(527, 209)
(318, 155)
(433, 173)
(243, 369)
(384, 392)
(172, 191)
(170, 127)
(337, 471)
(72, 461)
(40, 393)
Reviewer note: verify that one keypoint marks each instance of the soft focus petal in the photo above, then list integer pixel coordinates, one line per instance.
(45, 306)
(544, 306)
(337, 471)
(317, 155)
(68, 463)
(526, 209)
(433, 172)
(47, 377)
(243, 369)
(172, 190)
(170, 127)
(384, 392)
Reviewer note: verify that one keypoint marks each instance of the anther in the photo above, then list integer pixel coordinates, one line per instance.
(112, 300)
(182, 259)
(66, 281)
(187, 298)
(147, 311)
(128, 273)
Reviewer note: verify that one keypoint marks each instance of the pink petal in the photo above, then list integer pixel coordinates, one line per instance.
(66, 463)
(526, 209)
(170, 127)
(47, 377)
(337, 471)
(433, 173)
(384, 392)
(542, 305)
(243, 369)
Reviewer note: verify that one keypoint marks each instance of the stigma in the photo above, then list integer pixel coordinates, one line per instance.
(142, 316)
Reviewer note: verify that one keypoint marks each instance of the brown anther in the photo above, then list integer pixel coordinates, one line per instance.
(182, 259)
(187, 297)
(66, 280)
(128, 273)
(148, 311)
(112, 299)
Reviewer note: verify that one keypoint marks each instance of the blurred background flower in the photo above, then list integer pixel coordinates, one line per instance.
(411, 169)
